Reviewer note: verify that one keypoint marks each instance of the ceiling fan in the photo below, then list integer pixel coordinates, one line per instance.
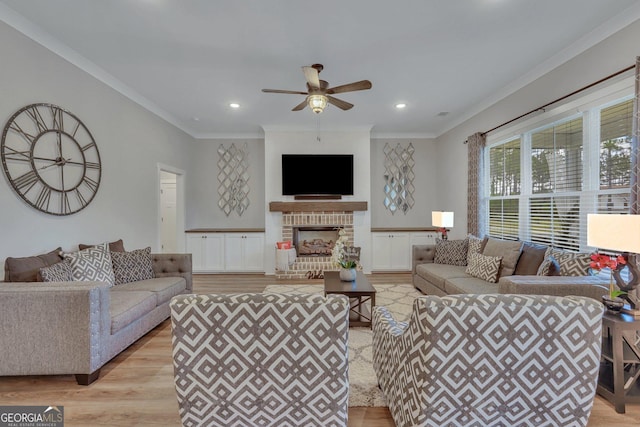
(319, 93)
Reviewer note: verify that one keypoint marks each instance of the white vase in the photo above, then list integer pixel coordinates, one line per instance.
(347, 274)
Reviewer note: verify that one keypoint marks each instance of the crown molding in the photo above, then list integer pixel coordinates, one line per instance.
(38, 35)
(584, 43)
(403, 135)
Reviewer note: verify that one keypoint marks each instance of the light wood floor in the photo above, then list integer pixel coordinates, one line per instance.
(136, 387)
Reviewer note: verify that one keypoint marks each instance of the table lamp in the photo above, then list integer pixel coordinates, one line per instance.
(620, 233)
(442, 220)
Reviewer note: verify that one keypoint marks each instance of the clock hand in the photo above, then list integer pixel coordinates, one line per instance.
(62, 175)
(59, 144)
(58, 162)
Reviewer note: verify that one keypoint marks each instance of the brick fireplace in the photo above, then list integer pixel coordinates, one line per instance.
(312, 266)
(325, 215)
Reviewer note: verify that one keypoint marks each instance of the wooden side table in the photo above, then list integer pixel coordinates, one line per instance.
(620, 366)
(359, 292)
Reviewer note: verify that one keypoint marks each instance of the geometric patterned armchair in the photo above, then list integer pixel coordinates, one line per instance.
(261, 359)
(490, 360)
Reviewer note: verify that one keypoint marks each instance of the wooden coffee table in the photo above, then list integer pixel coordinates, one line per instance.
(359, 292)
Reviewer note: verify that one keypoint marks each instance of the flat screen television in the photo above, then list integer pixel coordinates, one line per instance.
(317, 174)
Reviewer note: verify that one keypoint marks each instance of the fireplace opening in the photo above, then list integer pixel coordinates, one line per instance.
(315, 241)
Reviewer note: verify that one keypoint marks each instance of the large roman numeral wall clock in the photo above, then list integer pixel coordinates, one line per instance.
(50, 159)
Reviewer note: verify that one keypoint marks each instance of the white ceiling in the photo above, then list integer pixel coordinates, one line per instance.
(186, 59)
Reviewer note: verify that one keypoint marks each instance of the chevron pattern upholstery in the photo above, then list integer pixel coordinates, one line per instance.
(490, 360)
(261, 359)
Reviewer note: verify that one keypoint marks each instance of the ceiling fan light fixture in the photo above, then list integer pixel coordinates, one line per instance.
(317, 103)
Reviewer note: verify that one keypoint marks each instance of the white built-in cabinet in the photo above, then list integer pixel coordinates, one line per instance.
(232, 252)
(207, 251)
(243, 252)
(392, 249)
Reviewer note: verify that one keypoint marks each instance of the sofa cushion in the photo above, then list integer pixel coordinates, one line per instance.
(438, 273)
(117, 246)
(484, 267)
(127, 307)
(93, 264)
(26, 269)
(164, 288)
(530, 259)
(508, 250)
(58, 272)
(469, 285)
(452, 252)
(132, 266)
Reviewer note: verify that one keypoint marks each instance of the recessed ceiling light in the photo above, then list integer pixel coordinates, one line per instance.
(401, 105)
(442, 113)
(195, 119)
(234, 105)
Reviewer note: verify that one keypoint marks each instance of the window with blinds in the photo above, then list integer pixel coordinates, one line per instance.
(565, 184)
(615, 158)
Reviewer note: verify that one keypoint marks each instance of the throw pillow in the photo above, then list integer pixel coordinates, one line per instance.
(549, 267)
(59, 272)
(92, 264)
(132, 266)
(508, 250)
(484, 267)
(26, 269)
(476, 245)
(117, 246)
(530, 260)
(452, 252)
(574, 264)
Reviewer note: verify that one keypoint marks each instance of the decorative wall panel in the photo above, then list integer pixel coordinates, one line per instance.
(398, 178)
(233, 178)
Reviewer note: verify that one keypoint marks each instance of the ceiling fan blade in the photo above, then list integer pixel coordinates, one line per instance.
(293, 92)
(311, 74)
(300, 106)
(339, 103)
(351, 87)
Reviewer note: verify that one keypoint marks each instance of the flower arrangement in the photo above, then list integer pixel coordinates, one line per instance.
(338, 251)
(600, 261)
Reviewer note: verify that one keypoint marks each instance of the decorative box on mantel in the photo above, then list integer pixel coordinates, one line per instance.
(315, 215)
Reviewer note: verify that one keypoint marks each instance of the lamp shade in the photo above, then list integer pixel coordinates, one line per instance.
(441, 219)
(614, 232)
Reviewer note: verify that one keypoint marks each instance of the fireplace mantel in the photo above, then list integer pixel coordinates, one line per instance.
(317, 206)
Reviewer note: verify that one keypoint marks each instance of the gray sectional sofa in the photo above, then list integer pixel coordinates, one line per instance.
(58, 328)
(440, 279)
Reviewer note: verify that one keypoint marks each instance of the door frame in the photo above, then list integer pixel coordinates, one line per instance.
(180, 206)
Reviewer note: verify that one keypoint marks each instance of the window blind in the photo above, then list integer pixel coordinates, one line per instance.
(553, 205)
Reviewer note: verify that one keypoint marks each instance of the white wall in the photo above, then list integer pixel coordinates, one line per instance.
(202, 209)
(611, 55)
(131, 141)
(425, 183)
(356, 142)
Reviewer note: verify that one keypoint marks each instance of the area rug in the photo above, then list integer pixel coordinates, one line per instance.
(363, 384)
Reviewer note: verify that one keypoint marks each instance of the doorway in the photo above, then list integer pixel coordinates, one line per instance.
(171, 210)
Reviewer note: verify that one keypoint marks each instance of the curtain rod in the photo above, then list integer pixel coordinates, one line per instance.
(617, 73)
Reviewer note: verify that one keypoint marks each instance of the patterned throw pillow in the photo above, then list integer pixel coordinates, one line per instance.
(91, 264)
(452, 252)
(574, 264)
(484, 267)
(58, 272)
(132, 266)
(475, 246)
(567, 263)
